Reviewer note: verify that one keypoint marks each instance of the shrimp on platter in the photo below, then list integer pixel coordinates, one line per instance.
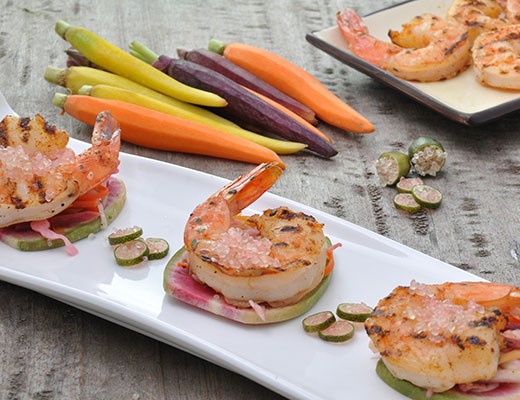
(496, 57)
(427, 49)
(478, 16)
(513, 11)
(463, 337)
(40, 176)
(276, 258)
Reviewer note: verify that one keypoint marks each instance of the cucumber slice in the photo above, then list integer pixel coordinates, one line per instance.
(355, 312)
(405, 185)
(427, 196)
(339, 331)
(406, 202)
(391, 166)
(125, 235)
(131, 253)
(158, 248)
(427, 156)
(319, 321)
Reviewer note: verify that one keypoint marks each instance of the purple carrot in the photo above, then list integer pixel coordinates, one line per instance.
(228, 68)
(243, 104)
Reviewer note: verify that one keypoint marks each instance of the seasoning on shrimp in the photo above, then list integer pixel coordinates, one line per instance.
(477, 16)
(277, 257)
(496, 57)
(427, 49)
(447, 336)
(40, 176)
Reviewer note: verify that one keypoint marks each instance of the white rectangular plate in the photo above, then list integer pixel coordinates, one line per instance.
(282, 356)
(461, 98)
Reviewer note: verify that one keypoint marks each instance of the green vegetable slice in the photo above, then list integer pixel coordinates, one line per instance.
(427, 196)
(158, 248)
(406, 202)
(131, 253)
(339, 331)
(391, 166)
(427, 156)
(355, 312)
(319, 321)
(405, 185)
(125, 235)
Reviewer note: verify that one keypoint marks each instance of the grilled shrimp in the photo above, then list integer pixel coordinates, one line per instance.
(276, 257)
(477, 16)
(496, 57)
(427, 49)
(40, 176)
(513, 11)
(439, 336)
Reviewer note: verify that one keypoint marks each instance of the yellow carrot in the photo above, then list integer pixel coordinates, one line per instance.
(73, 78)
(116, 60)
(156, 130)
(113, 93)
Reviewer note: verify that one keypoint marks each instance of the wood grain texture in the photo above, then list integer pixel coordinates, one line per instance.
(53, 351)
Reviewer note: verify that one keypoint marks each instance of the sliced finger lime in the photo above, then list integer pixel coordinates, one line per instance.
(406, 202)
(158, 248)
(339, 331)
(405, 185)
(319, 321)
(131, 252)
(427, 196)
(355, 312)
(124, 235)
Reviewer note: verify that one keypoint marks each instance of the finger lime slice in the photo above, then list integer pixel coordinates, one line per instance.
(405, 185)
(339, 331)
(319, 321)
(158, 248)
(391, 166)
(406, 202)
(427, 196)
(131, 252)
(355, 312)
(125, 235)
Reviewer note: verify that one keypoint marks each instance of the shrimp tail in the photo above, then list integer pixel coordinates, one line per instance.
(247, 188)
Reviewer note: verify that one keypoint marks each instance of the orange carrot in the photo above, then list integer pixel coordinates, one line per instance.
(156, 130)
(295, 82)
(90, 200)
(330, 259)
(291, 114)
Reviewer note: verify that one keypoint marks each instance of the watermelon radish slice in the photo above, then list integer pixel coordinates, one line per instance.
(179, 284)
(506, 391)
(75, 226)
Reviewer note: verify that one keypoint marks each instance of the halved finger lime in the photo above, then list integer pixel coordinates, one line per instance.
(427, 156)
(391, 166)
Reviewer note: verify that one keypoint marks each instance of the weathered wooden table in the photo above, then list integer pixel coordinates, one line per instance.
(50, 350)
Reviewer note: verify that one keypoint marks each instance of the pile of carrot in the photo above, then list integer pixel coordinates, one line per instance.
(159, 111)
